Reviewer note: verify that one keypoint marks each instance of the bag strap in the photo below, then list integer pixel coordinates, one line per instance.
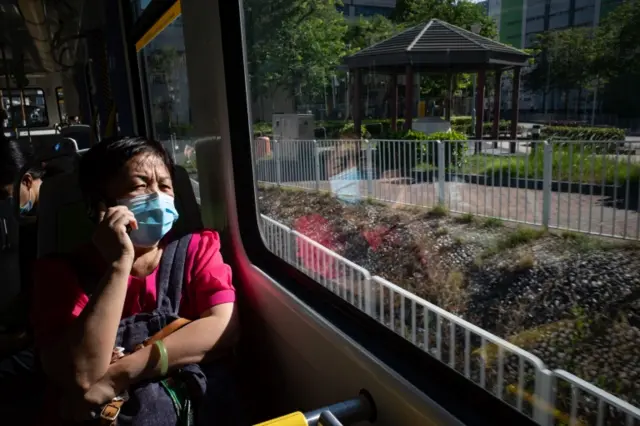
(171, 275)
(170, 328)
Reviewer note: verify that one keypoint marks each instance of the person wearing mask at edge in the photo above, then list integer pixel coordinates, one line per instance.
(75, 334)
(29, 190)
(11, 162)
(18, 367)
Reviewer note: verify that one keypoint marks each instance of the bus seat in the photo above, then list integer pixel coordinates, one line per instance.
(9, 256)
(81, 133)
(63, 223)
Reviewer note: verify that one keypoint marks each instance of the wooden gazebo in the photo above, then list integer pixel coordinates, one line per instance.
(438, 47)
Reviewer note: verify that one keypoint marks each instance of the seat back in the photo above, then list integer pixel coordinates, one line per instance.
(63, 223)
(81, 133)
(10, 283)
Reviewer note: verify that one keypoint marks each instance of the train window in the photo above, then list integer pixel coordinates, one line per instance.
(167, 89)
(138, 6)
(412, 226)
(26, 108)
(164, 75)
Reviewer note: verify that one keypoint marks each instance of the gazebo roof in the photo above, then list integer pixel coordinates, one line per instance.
(437, 46)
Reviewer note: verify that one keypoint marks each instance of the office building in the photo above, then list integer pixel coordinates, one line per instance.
(519, 21)
(366, 8)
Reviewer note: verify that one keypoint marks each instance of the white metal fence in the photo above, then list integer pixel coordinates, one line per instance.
(509, 372)
(585, 186)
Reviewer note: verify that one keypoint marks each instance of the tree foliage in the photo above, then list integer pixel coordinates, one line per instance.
(564, 61)
(366, 32)
(293, 44)
(462, 13)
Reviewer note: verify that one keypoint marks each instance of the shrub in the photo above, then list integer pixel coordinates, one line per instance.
(349, 129)
(397, 155)
(583, 133)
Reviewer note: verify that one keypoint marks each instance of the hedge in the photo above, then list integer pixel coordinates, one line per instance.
(583, 133)
(392, 154)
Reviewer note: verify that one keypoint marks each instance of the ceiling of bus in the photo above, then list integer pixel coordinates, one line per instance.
(41, 36)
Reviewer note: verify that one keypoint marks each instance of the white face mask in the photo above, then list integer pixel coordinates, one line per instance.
(346, 185)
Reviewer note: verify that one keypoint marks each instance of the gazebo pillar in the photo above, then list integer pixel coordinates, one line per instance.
(408, 98)
(449, 100)
(393, 101)
(480, 108)
(357, 108)
(515, 106)
(496, 108)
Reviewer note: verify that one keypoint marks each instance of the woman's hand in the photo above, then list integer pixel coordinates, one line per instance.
(103, 391)
(111, 236)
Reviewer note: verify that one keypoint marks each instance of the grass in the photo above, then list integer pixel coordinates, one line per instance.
(492, 223)
(521, 236)
(439, 211)
(572, 164)
(466, 218)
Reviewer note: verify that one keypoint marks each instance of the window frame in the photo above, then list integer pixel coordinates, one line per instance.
(459, 396)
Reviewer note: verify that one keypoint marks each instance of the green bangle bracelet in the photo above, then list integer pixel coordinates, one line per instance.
(164, 357)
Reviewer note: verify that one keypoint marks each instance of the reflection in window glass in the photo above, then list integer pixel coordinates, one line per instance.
(167, 89)
(426, 210)
(139, 6)
(25, 109)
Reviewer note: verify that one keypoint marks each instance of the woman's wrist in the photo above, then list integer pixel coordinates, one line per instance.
(133, 368)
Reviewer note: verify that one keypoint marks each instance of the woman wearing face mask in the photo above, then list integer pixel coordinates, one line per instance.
(129, 187)
(30, 190)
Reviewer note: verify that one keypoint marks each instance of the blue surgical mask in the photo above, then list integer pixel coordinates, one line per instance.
(27, 207)
(155, 213)
(346, 185)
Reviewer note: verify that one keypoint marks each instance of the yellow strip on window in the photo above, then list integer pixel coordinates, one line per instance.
(165, 20)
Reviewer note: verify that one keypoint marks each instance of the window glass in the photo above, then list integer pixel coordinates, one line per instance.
(25, 109)
(164, 73)
(486, 254)
(138, 6)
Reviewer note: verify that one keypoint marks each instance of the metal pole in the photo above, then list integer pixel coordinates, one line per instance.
(473, 106)
(595, 102)
(5, 66)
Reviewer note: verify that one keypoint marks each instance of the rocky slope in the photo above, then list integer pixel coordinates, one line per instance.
(572, 300)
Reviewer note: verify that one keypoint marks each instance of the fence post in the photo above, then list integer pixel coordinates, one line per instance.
(276, 154)
(369, 168)
(442, 170)
(316, 161)
(368, 302)
(547, 171)
(543, 404)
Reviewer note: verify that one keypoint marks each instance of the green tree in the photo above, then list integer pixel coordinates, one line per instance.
(294, 44)
(618, 60)
(462, 13)
(563, 60)
(366, 32)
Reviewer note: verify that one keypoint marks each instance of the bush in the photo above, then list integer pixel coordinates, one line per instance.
(575, 133)
(262, 129)
(349, 129)
(454, 149)
(487, 127)
(398, 155)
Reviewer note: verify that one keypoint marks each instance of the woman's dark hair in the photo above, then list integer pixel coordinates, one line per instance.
(11, 161)
(105, 160)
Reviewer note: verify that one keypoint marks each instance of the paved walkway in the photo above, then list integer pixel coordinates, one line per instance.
(579, 212)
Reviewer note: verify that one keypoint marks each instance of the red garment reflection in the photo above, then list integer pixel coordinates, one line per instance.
(319, 230)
